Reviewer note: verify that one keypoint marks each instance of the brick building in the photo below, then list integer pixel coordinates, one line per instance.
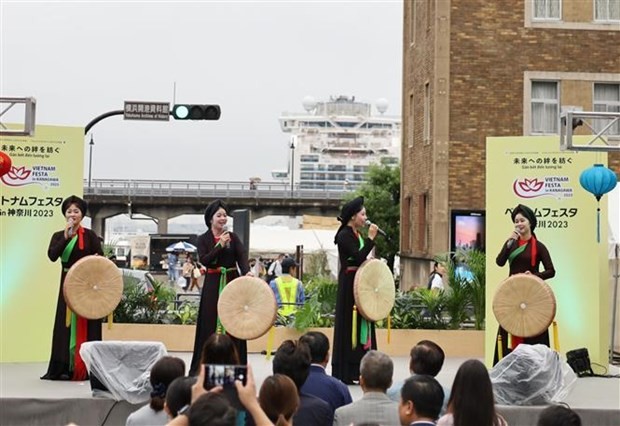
(478, 68)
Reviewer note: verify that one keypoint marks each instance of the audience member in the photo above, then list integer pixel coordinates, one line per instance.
(421, 401)
(216, 410)
(279, 399)
(219, 349)
(427, 358)
(179, 395)
(212, 409)
(318, 383)
(293, 360)
(376, 369)
(558, 415)
(471, 400)
(163, 373)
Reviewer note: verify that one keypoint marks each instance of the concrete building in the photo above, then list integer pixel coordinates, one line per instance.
(478, 68)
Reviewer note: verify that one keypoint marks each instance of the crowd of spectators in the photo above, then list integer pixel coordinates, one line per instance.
(300, 392)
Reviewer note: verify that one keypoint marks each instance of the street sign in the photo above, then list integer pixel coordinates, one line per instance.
(138, 110)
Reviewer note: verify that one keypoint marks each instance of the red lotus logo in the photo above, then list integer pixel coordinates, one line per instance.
(529, 188)
(17, 176)
(20, 173)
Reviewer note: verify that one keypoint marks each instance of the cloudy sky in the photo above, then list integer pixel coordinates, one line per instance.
(255, 59)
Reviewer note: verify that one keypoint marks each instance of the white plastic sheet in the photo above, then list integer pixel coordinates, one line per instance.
(531, 375)
(123, 367)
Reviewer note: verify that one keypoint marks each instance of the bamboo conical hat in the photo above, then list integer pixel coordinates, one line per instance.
(524, 305)
(93, 287)
(374, 290)
(247, 307)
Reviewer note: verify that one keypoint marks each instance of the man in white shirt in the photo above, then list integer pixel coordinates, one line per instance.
(275, 269)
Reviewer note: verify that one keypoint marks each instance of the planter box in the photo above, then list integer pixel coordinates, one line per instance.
(180, 338)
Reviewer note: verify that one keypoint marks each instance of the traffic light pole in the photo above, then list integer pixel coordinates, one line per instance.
(101, 117)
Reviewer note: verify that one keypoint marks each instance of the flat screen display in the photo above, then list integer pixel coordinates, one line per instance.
(468, 230)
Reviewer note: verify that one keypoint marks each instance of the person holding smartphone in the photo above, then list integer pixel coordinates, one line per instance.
(208, 406)
(224, 255)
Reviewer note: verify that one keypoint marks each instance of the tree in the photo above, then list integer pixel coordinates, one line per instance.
(382, 201)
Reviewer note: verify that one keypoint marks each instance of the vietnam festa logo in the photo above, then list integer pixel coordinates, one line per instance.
(44, 176)
(547, 186)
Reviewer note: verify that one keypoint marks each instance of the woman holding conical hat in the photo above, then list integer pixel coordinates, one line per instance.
(350, 345)
(524, 254)
(221, 252)
(70, 330)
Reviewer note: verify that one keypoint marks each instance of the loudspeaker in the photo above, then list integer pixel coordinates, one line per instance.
(241, 224)
(579, 361)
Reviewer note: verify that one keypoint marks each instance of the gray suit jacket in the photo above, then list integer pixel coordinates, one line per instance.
(374, 407)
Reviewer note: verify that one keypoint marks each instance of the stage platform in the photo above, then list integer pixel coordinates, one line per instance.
(27, 400)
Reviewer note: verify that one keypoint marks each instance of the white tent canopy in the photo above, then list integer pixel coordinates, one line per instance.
(273, 240)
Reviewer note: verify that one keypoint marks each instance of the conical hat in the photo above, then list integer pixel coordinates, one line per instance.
(374, 290)
(247, 307)
(524, 305)
(93, 287)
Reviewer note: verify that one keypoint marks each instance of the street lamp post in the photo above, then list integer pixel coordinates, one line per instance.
(90, 159)
(292, 166)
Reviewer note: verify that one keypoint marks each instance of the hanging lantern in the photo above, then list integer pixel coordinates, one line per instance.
(5, 163)
(598, 180)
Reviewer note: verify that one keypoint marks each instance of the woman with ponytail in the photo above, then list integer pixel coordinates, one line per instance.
(163, 373)
(279, 399)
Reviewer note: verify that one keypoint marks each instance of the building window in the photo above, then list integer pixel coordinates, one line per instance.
(406, 228)
(547, 9)
(427, 113)
(607, 10)
(606, 99)
(422, 231)
(545, 107)
(412, 6)
(411, 120)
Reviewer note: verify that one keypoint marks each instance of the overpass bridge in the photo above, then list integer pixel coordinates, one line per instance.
(163, 200)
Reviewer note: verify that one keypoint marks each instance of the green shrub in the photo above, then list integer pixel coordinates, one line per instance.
(144, 307)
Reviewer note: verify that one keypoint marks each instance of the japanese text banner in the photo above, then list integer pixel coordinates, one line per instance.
(534, 172)
(46, 168)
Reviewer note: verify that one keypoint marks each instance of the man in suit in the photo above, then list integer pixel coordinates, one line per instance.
(293, 360)
(376, 369)
(426, 358)
(318, 383)
(420, 401)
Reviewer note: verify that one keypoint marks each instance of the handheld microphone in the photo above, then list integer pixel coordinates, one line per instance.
(379, 230)
(511, 241)
(70, 230)
(225, 230)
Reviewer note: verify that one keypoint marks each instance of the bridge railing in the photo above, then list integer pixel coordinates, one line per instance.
(207, 189)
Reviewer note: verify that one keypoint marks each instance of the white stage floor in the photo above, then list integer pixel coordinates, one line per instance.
(21, 381)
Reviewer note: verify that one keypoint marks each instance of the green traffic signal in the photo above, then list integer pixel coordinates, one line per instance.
(196, 112)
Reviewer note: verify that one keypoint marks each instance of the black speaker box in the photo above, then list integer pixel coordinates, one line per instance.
(579, 361)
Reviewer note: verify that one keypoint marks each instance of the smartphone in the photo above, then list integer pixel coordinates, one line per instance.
(225, 375)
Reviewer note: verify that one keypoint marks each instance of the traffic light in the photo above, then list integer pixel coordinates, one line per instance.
(196, 112)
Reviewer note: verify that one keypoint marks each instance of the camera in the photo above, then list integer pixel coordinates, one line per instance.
(225, 375)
